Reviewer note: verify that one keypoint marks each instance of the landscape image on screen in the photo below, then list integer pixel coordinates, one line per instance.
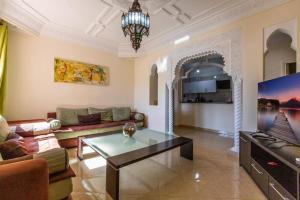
(279, 108)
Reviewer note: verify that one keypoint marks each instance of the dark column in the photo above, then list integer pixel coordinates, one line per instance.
(80, 148)
(112, 181)
(186, 150)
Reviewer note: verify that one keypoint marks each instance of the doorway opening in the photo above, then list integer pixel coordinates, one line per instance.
(202, 91)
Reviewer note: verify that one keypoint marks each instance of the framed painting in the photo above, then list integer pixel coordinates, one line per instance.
(70, 71)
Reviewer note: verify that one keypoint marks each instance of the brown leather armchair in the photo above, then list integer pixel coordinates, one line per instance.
(26, 180)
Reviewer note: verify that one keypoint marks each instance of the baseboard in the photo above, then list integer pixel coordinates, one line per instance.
(220, 132)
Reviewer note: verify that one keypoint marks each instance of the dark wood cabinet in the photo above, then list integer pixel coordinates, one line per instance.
(245, 153)
(260, 176)
(277, 192)
(271, 163)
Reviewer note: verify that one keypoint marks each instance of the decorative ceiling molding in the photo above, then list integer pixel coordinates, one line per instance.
(16, 15)
(228, 14)
(176, 13)
(151, 6)
(24, 15)
(106, 15)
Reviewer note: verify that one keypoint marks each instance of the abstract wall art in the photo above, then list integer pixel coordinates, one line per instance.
(69, 71)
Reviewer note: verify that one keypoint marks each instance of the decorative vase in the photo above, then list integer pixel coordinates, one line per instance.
(129, 129)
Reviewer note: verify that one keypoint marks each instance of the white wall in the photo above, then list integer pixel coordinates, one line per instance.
(219, 117)
(32, 92)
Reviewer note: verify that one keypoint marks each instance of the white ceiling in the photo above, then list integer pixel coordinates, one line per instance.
(96, 23)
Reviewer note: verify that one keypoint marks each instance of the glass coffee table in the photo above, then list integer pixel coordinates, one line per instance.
(120, 151)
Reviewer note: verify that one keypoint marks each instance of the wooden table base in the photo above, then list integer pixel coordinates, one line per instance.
(112, 181)
(112, 174)
(113, 169)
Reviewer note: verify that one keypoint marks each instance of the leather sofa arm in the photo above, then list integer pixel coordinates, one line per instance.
(26, 180)
(57, 159)
(14, 160)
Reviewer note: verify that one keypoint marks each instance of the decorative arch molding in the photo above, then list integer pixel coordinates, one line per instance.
(229, 46)
(288, 27)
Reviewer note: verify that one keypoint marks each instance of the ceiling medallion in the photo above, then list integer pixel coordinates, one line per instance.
(136, 24)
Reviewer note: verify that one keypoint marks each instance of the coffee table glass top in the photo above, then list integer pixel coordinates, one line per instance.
(116, 144)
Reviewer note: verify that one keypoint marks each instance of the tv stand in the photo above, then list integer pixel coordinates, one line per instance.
(271, 165)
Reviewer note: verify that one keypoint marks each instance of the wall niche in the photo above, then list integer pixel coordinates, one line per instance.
(280, 50)
(153, 86)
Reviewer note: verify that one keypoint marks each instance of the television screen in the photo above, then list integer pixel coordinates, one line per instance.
(279, 108)
(223, 84)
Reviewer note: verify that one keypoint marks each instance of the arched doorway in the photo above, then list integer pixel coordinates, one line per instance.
(203, 90)
(229, 46)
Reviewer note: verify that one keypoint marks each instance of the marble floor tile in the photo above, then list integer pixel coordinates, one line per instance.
(214, 174)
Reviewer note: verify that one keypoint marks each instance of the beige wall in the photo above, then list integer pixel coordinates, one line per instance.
(31, 91)
(252, 57)
(155, 114)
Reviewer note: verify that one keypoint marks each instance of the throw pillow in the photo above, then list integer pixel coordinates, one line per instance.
(54, 124)
(12, 149)
(120, 114)
(4, 129)
(89, 119)
(106, 113)
(139, 117)
(14, 136)
(69, 116)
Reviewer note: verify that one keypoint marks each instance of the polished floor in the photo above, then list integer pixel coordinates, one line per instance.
(213, 175)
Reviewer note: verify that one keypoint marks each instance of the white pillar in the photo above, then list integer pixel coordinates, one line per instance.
(171, 110)
(237, 92)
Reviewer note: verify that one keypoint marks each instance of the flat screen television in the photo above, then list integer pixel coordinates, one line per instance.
(279, 108)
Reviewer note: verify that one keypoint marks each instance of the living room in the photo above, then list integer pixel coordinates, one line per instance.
(72, 84)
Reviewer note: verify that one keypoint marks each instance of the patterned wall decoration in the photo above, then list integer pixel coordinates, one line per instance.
(69, 71)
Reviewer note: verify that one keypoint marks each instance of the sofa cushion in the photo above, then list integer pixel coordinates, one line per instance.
(14, 136)
(120, 114)
(4, 129)
(69, 116)
(106, 113)
(57, 159)
(89, 119)
(41, 143)
(31, 129)
(13, 149)
(77, 131)
(93, 126)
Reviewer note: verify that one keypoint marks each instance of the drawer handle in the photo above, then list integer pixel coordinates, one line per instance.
(281, 196)
(254, 167)
(243, 139)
